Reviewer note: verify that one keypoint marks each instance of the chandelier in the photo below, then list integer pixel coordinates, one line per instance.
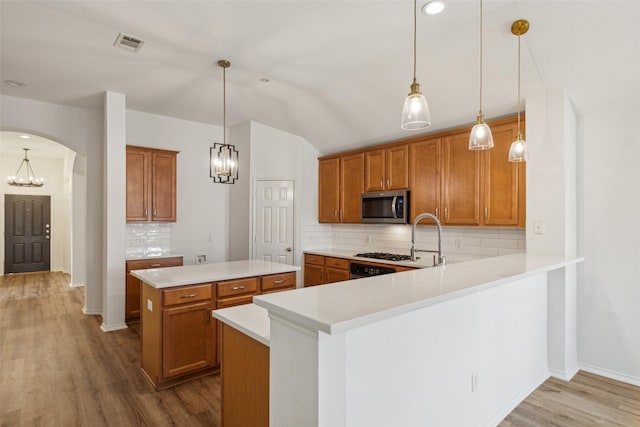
(224, 157)
(28, 178)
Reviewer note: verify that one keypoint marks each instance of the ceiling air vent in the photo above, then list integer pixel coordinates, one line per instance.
(129, 43)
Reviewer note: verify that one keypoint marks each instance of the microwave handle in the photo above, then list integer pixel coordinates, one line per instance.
(393, 206)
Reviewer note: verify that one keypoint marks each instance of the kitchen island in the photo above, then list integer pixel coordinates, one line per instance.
(180, 341)
(456, 345)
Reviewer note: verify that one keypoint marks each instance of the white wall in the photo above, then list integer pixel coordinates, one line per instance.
(203, 217)
(81, 131)
(55, 175)
(239, 233)
(609, 294)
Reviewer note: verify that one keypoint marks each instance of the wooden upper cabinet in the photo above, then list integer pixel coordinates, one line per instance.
(424, 166)
(151, 185)
(352, 187)
(460, 181)
(387, 168)
(503, 181)
(329, 190)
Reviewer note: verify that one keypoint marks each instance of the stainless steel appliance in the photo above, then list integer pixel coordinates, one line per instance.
(359, 271)
(388, 207)
(385, 256)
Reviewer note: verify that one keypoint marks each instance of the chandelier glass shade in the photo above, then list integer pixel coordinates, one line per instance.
(223, 157)
(518, 149)
(25, 177)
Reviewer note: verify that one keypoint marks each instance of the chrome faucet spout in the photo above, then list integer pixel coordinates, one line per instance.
(441, 258)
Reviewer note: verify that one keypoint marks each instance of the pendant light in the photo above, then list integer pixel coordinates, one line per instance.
(480, 137)
(224, 157)
(28, 178)
(518, 149)
(415, 113)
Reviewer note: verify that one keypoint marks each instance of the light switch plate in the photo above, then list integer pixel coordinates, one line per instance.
(149, 305)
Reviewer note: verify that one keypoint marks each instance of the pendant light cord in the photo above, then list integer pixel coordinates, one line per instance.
(480, 111)
(519, 134)
(415, 25)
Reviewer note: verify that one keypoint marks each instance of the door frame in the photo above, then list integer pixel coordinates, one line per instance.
(253, 249)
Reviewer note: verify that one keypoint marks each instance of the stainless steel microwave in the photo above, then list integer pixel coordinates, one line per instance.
(387, 207)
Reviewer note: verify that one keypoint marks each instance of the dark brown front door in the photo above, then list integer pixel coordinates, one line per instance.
(27, 233)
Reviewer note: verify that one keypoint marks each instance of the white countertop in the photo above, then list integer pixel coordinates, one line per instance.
(201, 273)
(151, 255)
(249, 319)
(339, 307)
(425, 260)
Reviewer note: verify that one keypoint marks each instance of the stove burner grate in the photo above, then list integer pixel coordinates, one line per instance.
(384, 256)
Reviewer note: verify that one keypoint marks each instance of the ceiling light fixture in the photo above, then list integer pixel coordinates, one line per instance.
(28, 178)
(480, 137)
(25, 137)
(14, 83)
(518, 149)
(433, 7)
(415, 113)
(224, 157)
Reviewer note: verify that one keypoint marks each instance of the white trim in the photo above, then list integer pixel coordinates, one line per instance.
(513, 403)
(88, 312)
(563, 375)
(76, 285)
(625, 378)
(112, 328)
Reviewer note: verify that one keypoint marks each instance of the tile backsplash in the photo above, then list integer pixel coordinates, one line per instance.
(148, 238)
(459, 243)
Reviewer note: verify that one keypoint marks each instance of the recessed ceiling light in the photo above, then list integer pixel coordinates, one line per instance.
(14, 83)
(25, 137)
(433, 7)
(265, 80)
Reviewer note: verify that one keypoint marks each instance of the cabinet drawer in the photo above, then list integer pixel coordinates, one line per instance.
(187, 294)
(278, 281)
(237, 287)
(231, 302)
(313, 259)
(340, 263)
(153, 263)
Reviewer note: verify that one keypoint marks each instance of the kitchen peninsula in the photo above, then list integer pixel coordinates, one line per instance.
(179, 338)
(413, 348)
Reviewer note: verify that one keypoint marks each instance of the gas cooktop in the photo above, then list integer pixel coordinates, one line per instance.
(385, 256)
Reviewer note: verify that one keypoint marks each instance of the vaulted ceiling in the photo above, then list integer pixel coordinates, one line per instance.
(338, 70)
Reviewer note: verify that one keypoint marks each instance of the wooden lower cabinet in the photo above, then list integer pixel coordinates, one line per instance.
(132, 292)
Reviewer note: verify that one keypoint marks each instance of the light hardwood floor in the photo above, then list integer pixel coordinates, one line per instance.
(57, 368)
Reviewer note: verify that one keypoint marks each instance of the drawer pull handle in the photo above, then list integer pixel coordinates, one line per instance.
(189, 296)
(237, 288)
(156, 265)
(277, 282)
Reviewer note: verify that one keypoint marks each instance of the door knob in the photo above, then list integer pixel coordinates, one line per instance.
(288, 249)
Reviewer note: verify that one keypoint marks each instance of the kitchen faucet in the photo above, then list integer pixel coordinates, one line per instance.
(442, 260)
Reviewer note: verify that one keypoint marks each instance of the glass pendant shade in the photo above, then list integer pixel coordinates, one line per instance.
(518, 150)
(480, 137)
(415, 113)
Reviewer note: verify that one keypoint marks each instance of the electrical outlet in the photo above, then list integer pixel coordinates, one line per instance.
(458, 243)
(201, 259)
(149, 305)
(538, 227)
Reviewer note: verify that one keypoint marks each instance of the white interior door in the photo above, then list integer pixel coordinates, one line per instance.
(273, 213)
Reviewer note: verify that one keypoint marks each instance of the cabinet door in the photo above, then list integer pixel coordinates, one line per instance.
(425, 177)
(164, 186)
(501, 179)
(188, 339)
(374, 175)
(352, 182)
(137, 184)
(313, 275)
(132, 297)
(461, 181)
(329, 190)
(336, 275)
(397, 167)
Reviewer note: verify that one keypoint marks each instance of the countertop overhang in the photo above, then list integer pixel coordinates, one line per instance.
(201, 273)
(338, 307)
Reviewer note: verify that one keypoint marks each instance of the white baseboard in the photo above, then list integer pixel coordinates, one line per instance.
(88, 312)
(112, 328)
(76, 285)
(611, 374)
(563, 375)
(513, 403)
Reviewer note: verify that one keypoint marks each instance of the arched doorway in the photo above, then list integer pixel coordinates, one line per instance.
(64, 185)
